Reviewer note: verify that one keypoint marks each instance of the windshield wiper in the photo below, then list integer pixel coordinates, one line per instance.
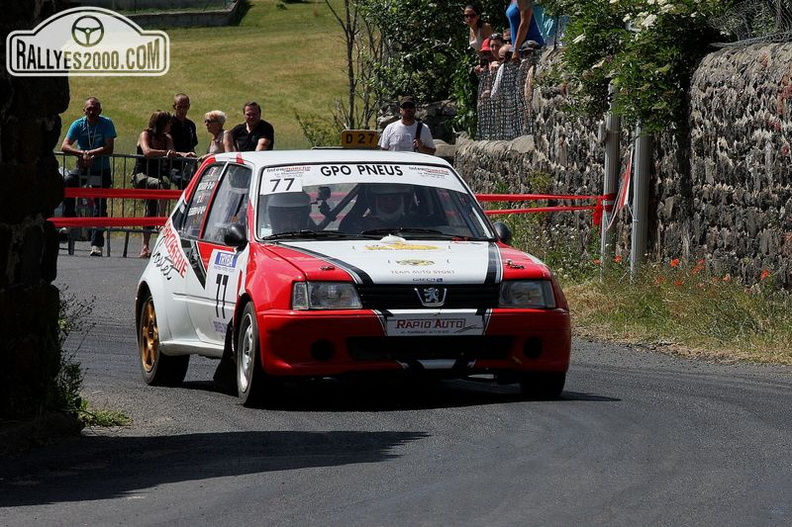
(305, 233)
(402, 230)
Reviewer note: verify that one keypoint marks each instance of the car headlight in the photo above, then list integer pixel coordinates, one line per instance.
(325, 295)
(536, 294)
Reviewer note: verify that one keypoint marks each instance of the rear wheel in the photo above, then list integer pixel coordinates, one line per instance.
(542, 386)
(251, 381)
(157, 369)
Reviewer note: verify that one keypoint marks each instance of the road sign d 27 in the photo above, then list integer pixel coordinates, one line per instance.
(359, 138)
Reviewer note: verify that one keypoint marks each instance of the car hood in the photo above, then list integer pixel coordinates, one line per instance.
(395, 260)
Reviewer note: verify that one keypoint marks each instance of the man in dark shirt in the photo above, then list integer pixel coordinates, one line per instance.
(185, 137)
(254, 134)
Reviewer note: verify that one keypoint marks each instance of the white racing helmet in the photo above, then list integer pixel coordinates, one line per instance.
(289, 211)
(388, 201)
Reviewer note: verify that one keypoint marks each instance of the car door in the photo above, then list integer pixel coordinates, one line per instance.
(221, 198)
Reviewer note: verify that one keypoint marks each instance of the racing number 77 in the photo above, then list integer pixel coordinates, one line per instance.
(222, 282)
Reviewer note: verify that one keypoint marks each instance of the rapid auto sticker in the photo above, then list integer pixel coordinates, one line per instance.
(449, 322)
(396, 260)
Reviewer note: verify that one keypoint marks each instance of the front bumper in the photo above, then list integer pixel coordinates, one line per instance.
(334, 343)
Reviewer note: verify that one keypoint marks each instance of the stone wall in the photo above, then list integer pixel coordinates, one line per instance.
(30, 189)
(720, 182)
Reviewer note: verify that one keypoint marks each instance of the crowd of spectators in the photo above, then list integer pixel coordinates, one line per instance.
(165, 153)
(527, 29)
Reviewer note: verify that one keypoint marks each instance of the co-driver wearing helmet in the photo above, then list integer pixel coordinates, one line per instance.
(290, 212)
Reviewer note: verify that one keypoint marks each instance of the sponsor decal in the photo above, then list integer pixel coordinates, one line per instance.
(455, 324)
(87, 41)
(415, 262)
(440, 323)
(425, 272)
(401, 246)
(220, 326)
(174, 260)
(361, 170)
(225, 261)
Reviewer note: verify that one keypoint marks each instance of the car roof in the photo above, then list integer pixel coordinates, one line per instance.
(330, 155)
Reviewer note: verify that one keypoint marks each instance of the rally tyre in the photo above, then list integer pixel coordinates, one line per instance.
(251, 380)
(542, 386)
(157, 369)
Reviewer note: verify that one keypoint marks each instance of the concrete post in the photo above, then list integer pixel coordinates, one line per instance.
(640, 209)
(612, 135)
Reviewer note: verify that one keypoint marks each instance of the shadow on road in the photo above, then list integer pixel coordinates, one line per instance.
(393, 394)
(96, 468)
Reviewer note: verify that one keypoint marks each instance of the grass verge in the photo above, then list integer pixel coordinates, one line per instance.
(684, 308)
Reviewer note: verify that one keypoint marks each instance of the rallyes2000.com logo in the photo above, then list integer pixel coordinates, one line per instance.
(87, 41)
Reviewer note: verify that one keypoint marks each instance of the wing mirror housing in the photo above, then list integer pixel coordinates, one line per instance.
(503, 232)
(235, 236)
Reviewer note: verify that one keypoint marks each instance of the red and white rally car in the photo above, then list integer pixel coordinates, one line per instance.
(299, 264)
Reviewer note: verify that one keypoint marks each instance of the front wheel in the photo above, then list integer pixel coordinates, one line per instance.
(157, 369)
(251, 382)
(542, 386)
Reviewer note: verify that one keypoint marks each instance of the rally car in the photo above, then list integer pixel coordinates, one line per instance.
(332, 263)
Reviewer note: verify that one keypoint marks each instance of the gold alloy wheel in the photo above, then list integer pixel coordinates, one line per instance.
(149, 336)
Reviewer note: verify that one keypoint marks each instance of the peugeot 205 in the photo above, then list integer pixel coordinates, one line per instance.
(329, 263)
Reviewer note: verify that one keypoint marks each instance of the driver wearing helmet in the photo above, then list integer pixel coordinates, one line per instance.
(389, 205)
(290, 212)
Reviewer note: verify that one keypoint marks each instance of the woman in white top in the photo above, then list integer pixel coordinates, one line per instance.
(479, 30)
(214, 122)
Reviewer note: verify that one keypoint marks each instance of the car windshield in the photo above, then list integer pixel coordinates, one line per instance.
(342, 209)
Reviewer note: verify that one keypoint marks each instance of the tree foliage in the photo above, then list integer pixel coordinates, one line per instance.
(647, 50)
(425, 50)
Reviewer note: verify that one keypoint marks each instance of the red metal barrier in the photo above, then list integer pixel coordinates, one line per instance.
(74, 192)
(599, 207)
(124, 193)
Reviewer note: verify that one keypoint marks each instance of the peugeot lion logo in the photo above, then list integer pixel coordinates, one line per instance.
(87, 31)
(431, 296)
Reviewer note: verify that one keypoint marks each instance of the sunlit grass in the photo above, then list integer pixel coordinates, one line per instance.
(289, 59)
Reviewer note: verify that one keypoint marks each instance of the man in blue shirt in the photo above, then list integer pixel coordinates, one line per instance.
(91, 139)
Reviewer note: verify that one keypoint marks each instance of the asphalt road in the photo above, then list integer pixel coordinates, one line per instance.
(638, 438)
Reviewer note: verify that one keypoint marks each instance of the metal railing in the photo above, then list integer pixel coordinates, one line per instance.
(126, 210)
(504, 101)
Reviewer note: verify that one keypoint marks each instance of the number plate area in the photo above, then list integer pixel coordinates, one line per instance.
(449, 323)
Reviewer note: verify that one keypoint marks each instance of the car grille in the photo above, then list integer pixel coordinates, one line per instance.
(427, 348)
(408, 297)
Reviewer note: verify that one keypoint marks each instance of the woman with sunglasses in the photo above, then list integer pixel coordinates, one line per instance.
(214, 122)
(479, 30)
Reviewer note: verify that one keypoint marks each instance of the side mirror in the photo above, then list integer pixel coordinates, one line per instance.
(503, 232)
(235, 236)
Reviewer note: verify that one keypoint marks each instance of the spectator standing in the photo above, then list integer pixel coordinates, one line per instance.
(91, 139)
(184, 135)
(155, 145)
(407, 133)
(254, 134)
(489, 53)
(214, 122)
(479, 30)
(523, 27)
